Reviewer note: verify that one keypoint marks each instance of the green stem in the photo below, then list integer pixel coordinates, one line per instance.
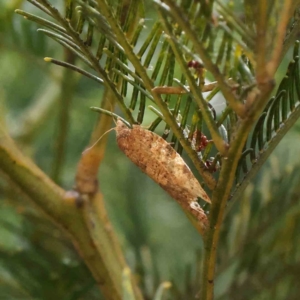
(149, 85)
(223, 188)
(105, 261)
(256, 101)
(219, 201)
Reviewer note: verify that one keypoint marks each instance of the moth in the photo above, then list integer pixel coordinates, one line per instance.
(155, 157)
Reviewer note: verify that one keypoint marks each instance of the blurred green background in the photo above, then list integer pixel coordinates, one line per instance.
(259, 254)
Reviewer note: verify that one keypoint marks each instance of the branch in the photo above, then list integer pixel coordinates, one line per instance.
(255, 102)
(148, 83)
(105, 262)
(91, 158)
(216, 215)
(222, 192)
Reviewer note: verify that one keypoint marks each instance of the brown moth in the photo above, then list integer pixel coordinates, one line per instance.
(155, 157)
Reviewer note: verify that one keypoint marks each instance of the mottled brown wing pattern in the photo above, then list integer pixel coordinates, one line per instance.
(155, 157)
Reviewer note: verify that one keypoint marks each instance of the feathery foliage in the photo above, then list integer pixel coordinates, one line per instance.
(204, 72)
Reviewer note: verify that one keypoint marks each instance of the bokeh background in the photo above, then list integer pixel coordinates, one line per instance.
(259, 254)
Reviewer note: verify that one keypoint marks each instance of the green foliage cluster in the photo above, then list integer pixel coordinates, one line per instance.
(46, 110)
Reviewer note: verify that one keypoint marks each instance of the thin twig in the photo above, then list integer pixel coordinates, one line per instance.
(178, 90)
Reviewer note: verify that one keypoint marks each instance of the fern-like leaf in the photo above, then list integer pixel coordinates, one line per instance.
(280, 114)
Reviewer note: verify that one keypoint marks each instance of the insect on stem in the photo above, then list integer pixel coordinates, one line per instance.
(156, 158)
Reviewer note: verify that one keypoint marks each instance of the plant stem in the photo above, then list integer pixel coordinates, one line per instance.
(91, 158)
(148, 83)
(104, 262)
(224, 185)
(219, 201)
